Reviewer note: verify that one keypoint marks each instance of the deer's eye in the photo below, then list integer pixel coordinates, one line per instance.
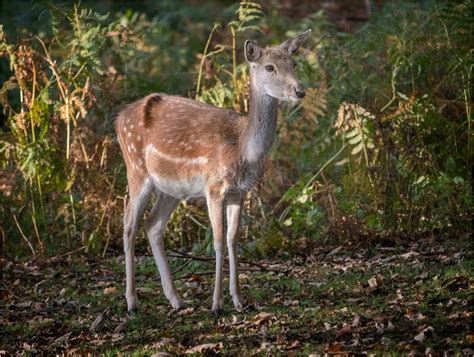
(269, 68)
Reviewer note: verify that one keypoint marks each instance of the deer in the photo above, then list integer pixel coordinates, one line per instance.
(179, 148)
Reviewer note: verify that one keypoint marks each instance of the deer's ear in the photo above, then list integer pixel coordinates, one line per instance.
(292, 44)
(252, 51)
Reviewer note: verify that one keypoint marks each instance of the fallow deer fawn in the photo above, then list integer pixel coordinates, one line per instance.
(180, 148)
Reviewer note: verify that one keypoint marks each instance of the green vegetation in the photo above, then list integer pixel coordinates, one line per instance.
(381, 146)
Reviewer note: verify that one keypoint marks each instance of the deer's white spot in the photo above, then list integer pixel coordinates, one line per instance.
(132, 126)
(133, 147)
(129, 135)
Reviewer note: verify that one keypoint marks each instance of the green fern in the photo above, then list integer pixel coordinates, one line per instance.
(354, 123)
(247, 12)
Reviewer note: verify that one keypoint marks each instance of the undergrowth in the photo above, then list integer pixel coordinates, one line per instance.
(381, 145)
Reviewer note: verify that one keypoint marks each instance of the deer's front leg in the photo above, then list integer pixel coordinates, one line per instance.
(234, 207)
(215, 207)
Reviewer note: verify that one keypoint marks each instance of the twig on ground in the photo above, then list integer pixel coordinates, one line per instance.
(72, 251)
(210, 259)
(210, 272)
(182, 267)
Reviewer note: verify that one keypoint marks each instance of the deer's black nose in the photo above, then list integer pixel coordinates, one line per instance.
(299, 91)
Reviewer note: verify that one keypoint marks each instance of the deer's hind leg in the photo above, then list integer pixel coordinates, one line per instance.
(139, 190)
(215, 207)
(155, 226)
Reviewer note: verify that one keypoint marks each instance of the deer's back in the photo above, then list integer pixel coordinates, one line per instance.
(182, 144)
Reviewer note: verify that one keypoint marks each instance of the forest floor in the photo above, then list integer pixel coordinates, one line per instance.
(412, 298)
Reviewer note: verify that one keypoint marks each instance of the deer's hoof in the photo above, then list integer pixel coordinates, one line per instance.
(239, 303)
(176, 302)
(132, 312)
(132, 303)
(180, 307)
(218, 312)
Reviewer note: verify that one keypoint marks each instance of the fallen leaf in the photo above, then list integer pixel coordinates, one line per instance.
(468, 352)
(263, 317)
(120, 327)
(62, 340)
(294, 344)
(334, 348)
(372, 282)
(429, 352)
(380, 328)
(345, 330)
(111, 290)
(205, 347)
(99, 319)
(409, 255)
(291, 302)
(334, 251)
(145, 290)
(163, 342)
(276, 301)
(37, 306)
(195, 277)
(426, 333)
(187, 311)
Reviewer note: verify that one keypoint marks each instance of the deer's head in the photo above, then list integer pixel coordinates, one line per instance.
(273, 68)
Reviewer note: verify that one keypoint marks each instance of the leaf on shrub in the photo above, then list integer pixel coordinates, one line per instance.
(352, 133)
(342, 162)
(357, 149)
(356, 139)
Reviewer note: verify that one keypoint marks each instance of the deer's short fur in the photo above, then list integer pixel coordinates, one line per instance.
(180, 148)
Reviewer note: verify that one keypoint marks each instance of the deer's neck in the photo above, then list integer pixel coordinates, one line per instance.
(259, 134)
